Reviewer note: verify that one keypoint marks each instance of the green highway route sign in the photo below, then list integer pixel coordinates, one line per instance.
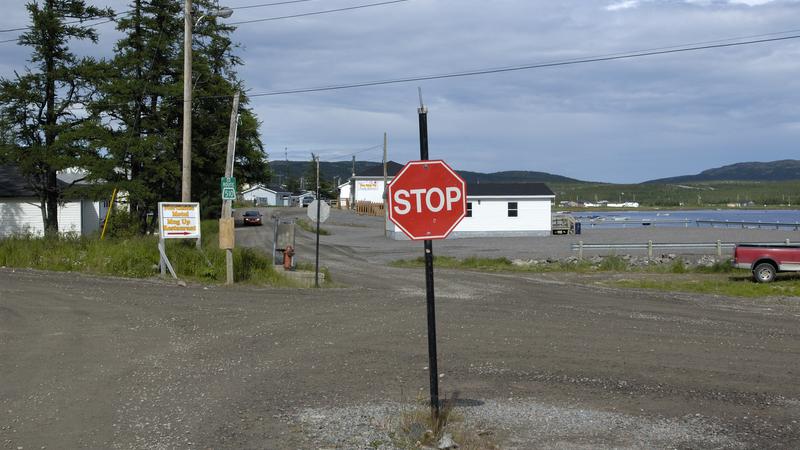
(228, 187)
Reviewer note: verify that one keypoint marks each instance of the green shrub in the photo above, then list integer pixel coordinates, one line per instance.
(137, 256)
(678, 266)
(613, 263)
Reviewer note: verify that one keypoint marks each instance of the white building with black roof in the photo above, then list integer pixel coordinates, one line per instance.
(21, 212)
(502, 210)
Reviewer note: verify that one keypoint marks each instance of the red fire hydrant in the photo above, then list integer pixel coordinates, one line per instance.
(288, 253)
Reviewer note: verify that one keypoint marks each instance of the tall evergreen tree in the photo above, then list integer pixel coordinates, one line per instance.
(142, 110)
(43, 129)
(214, 69)
(139, 110)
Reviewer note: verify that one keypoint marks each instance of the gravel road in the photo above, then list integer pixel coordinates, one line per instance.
(91, 362)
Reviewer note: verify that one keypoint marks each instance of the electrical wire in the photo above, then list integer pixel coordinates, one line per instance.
(262, 5)
(569, 62)
(336, 153)
(487, 71)
(316, 13)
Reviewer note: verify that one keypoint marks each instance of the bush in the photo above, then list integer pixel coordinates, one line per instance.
(613, 263)
(137, 256)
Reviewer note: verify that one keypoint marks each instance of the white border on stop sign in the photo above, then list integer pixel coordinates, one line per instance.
(391, 205)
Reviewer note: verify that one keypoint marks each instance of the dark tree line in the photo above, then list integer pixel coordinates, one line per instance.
(120, 119)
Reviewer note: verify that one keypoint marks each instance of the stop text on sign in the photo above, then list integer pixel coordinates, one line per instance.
(435, 199)
(427, 199)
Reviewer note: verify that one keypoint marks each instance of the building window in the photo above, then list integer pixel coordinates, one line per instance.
(469, 209)
(512, 209)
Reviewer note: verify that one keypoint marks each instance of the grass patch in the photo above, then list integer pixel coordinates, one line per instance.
(137, 257)
(312, 227)
(309, 267)
(493, 264)
(415, 428)
(718, 284)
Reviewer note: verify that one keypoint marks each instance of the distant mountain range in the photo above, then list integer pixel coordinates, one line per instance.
(787, 169)
(342, 170)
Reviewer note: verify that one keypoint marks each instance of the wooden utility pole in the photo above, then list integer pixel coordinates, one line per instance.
(186, 152)
(385, 199)
(353, 184)
(227, 204)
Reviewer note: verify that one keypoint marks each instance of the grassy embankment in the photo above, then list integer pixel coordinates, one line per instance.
(137, 257)
(714, 194)
(311, 227)
(719, 279)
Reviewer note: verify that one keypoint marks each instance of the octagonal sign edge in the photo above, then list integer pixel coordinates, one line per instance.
(444, 198)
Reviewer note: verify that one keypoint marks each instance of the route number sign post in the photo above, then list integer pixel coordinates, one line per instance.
(228, 187)
(176, 220)
(426, 200)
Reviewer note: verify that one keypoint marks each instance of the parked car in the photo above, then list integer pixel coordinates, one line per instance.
(307, 201)
(767, 260)
(251, 218)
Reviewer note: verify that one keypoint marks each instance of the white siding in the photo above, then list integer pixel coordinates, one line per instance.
(69, 217)
(369, 190)
(253, 194)
(492, 215)
(490, 218)
(20, 215)
(344, 194)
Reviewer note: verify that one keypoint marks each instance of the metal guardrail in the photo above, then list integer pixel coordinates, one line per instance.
(745, 223)
(580, 246)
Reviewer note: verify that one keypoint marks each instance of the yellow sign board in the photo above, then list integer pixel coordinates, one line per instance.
(179, 220)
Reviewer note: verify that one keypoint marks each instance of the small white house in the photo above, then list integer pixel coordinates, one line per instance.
(267, 196)
(20, 211)
(501, 210)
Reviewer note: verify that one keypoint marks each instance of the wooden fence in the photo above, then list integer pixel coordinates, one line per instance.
(369, 208)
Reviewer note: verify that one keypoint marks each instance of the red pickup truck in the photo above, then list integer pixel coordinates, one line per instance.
(766, 260)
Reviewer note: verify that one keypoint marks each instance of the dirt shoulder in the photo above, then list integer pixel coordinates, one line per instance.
(542, 360)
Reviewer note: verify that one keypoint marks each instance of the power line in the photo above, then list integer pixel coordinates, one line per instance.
(261, 5)
(337, 153)
(113, 16)
(487, 71)
(613, 57)
(315, 13)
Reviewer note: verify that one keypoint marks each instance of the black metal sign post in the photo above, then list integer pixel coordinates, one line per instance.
(319, 205)
(432, 363)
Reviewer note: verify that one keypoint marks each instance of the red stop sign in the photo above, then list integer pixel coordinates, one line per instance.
(427, 199)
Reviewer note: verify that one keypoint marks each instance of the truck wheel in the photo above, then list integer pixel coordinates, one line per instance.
(764, 273)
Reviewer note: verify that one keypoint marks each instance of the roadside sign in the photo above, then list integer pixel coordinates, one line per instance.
(228, 187)
(324, 211)
(427, 199)
(179, 220)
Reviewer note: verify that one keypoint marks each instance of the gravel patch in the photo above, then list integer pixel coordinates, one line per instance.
(521, 424)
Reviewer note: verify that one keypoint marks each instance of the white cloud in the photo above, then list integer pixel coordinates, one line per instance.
(626, 4)
(625, 120)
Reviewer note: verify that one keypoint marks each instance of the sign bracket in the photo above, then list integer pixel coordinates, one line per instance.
(164, 263)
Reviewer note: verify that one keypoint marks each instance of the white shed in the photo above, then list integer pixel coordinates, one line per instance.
(267, 196)
(20, 211)
(501, 210)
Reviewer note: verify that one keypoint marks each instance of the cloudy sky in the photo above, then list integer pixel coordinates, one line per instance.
(626, 120)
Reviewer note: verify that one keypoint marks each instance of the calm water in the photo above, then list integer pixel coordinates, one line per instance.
(667, 218)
